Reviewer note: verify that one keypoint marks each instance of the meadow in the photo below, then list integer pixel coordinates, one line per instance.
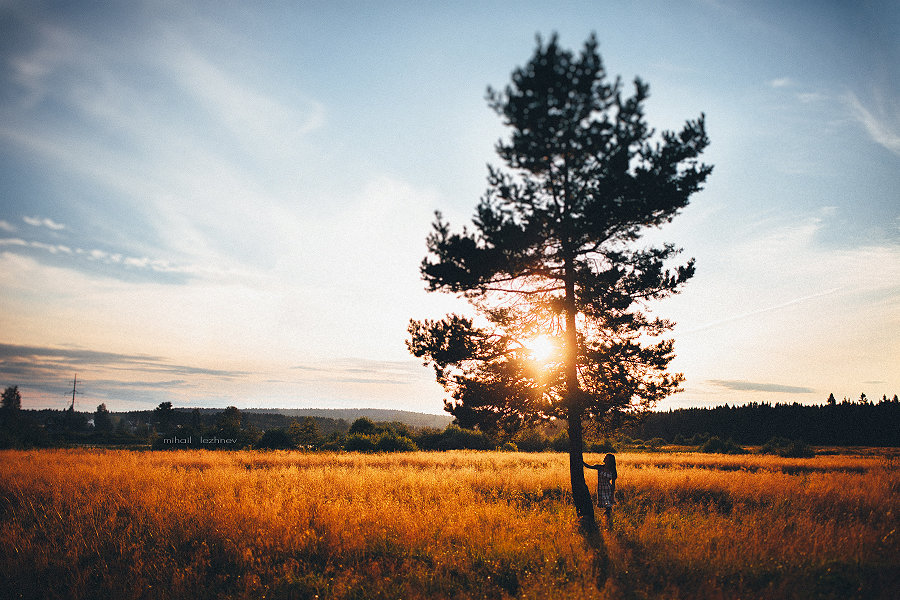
(85, 524)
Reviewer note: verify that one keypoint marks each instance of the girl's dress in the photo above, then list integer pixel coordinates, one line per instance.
(606, 488)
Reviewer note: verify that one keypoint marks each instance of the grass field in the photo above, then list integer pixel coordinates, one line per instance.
(202, 524)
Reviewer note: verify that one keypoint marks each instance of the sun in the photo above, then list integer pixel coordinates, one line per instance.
(541, 348)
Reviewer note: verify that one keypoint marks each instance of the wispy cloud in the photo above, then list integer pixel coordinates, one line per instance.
(128, 266)
(749, 386)
(761, 311)
(881, 122)
(191, 167)
(781, 82)
(7, 226)
(361, 371)
(43, 222)
(27, 359)
(45, 375)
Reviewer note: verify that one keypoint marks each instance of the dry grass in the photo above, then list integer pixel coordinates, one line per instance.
(200, 524)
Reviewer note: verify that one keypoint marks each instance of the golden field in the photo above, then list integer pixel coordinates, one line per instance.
(204, 524)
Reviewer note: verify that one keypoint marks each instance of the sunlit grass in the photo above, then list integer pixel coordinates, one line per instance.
(201, 524)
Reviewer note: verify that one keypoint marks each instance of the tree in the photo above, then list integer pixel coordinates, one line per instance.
(363, 426)
(11, 400)
(228, 422)
(102, 419)
(164, 414)
(276, 439)
(305, 434)
(551, 261)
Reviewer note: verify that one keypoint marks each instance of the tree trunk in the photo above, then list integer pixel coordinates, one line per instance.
(581, 494)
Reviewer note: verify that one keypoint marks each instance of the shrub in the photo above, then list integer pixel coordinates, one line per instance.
(561, 442)
(276, 439)
(787, 448)
(509, 447)
(391, 442)
(457, 438)
(717, 445)
(698, 439)
(357, 442)
(531, 440)
(603, 447)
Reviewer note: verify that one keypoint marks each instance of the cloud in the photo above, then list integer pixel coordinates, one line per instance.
(764, 310)
(48, 223)
(810, 97)
(51, 248)
(352, 370)
(7, 227)
(749, 386)
(781, 82)
(130, 265)
(882, 122)
(31, 363)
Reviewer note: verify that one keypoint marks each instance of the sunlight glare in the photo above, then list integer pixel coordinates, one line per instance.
(541, 348)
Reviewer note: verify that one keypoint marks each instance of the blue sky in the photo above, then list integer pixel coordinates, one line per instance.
(221, 203)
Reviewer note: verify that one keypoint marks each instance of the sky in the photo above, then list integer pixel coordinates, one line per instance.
(226, 203)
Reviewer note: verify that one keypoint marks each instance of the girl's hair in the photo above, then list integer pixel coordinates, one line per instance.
(609, 462)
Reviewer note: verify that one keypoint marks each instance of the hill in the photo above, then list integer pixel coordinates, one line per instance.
(379, 415)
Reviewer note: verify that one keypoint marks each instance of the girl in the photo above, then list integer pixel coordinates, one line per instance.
(606, 485)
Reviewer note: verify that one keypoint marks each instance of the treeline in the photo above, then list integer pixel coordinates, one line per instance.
(846, 423)
(169, 428)
(861, 423)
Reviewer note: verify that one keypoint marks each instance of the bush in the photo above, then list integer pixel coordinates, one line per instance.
(604, 447)
(357, 442)
(561, 442)
(531, 440)
(698, 439)
(786, 448)
(276, 439)
(509, 447)
(457, 438)
(656, 442)
(391, 442)
(717, 445)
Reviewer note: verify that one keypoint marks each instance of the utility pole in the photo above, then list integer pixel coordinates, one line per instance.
(74, 391)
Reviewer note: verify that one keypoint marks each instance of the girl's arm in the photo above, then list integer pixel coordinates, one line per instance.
(590, 466)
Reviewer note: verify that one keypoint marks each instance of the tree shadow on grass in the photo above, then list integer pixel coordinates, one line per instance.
(600, 565)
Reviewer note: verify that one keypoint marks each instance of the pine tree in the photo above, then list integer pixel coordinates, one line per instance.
(551, 265)
(102, 419)
(11, 400)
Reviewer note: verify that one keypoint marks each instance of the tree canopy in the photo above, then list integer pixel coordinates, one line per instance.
(551, 259)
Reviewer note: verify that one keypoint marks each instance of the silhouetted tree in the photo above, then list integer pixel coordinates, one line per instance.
(552, 253)
(276, 439)
(10, 410)
(831, 400)
(228, 422)
(11, 400)
(102, 419)
(164, 414)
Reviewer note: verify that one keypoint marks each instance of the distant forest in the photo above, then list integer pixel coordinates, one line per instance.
(859, 423)
(846, 423)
